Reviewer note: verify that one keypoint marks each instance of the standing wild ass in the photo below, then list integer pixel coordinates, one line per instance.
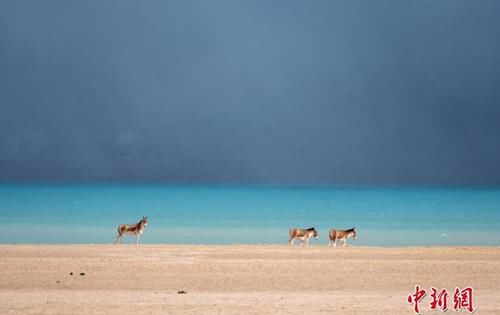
(302, 234)
(342, 235)
(132, 229)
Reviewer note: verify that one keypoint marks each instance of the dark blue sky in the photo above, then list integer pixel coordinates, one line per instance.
(300, 92)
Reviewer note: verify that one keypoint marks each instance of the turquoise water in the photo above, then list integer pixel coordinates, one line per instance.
(249, 214)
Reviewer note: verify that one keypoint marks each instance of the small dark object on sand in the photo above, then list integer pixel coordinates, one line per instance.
(58, 281)
(71, 273)
(181, 292)
(82, 273)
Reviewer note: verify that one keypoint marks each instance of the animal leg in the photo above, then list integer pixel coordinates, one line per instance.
(137, 239)
(344, 242)
(290, 241)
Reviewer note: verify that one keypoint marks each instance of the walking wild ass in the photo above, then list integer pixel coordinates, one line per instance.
(302, 234)
(132, 229)
(342, 235)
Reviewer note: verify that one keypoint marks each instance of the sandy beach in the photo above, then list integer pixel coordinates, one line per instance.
(254, 279)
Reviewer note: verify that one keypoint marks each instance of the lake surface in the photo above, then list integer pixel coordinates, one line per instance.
(216, 214)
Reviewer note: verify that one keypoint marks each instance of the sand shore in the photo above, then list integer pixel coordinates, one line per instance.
(267, 279)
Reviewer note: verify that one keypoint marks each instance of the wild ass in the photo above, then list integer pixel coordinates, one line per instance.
(302, 234)
(132, 229)
(342, 235)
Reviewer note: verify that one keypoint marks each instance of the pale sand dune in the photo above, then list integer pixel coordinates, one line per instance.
(267, 279)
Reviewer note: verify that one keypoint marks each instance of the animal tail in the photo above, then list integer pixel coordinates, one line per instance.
(331, 235)
(119, 234)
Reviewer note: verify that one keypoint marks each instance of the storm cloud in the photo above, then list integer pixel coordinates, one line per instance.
(337, 92)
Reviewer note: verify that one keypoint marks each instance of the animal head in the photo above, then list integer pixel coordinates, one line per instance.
(145, 221)
(354, 233)
(315, 232)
